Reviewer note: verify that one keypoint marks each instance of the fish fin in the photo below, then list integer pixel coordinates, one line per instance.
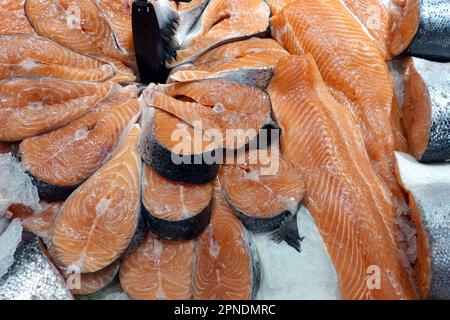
(168, 20)
(288, 232)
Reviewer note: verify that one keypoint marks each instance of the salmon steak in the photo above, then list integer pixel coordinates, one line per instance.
(278, 184)
(171, 147)
(61, 160)
(226, 264)
(352, 66)
(80, 25)
(427, 109)
(175, 211)
(98, 221)
(207, 106)
(13, 18)
(223, 21)
(28, 55)
(159, 270)
(347, 200)
(430, 207)
(248, 61)
(118, 15)
(33, 106)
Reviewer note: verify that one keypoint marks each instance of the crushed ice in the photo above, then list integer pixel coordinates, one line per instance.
(15, 185)
(9, 240)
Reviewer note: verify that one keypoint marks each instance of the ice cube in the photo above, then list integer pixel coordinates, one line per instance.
(15, 185)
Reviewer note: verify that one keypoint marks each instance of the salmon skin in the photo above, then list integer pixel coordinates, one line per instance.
(427, 186)
(339, 182)
(226, 263)
(161, 151)
(427, 109)
(45, 104)
(29, 55)
(100, 219)
(359, 80)
(33, 276)
(248, 61)
(159, 270)
(280, 190)
(150, 55)
(58, 161)
(424, 30)
(223, 21)
(175, 211)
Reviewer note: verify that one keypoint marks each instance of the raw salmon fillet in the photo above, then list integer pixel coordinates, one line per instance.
(159, 270)
(66, 157)
(98, 221)
(346, 198)
(226, 265)
(223, 21)
(353, 67)
(29, 55)
(248, 61)
(377, 21)
(79, 25)
(32, 106)
(13, 18)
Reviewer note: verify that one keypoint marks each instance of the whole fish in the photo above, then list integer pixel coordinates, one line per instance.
(33, 276)
(429, 190)
(427, 109)
(424, 29)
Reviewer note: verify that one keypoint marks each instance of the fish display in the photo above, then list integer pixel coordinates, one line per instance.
(44, 104)
(223, 21)
(248, 61)
(62, 159)
(354, 69)
(98, 221)
(159, 270)
(33, 56)
(427, 109)
(226, 264)
(423, 29)
(175, 211)
(340, 182)
(80, 25)
(33, 276)
(427, 186)
(280, 189)
(13, 18)
(224, 149)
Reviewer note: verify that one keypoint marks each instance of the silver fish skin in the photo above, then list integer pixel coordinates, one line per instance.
(432, 40)
(33, 276)
(429, 185)
(436, 78)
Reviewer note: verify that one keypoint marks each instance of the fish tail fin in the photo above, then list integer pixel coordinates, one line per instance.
(288, 232)
(168, 20)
